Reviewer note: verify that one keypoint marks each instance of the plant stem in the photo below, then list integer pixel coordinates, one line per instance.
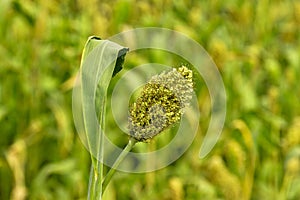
(98, 168)
(92, 180)
(121, 157)
(91, 183)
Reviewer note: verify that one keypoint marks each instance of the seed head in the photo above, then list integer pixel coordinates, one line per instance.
(161, 103)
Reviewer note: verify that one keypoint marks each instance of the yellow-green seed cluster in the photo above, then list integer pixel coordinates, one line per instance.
(161, 103)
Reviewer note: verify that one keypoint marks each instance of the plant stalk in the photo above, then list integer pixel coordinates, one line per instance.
(91, 183)
(98, 168)
(121, 157)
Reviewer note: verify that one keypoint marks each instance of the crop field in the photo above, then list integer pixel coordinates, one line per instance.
(256, 47)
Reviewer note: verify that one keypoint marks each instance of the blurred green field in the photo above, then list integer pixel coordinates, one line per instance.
(255, 44)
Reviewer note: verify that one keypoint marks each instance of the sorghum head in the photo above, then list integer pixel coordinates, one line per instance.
(161, 103)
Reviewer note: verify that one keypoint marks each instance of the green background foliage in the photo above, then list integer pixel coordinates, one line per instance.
(255, 44)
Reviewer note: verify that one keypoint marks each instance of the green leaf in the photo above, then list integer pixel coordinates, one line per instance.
(101, 60)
